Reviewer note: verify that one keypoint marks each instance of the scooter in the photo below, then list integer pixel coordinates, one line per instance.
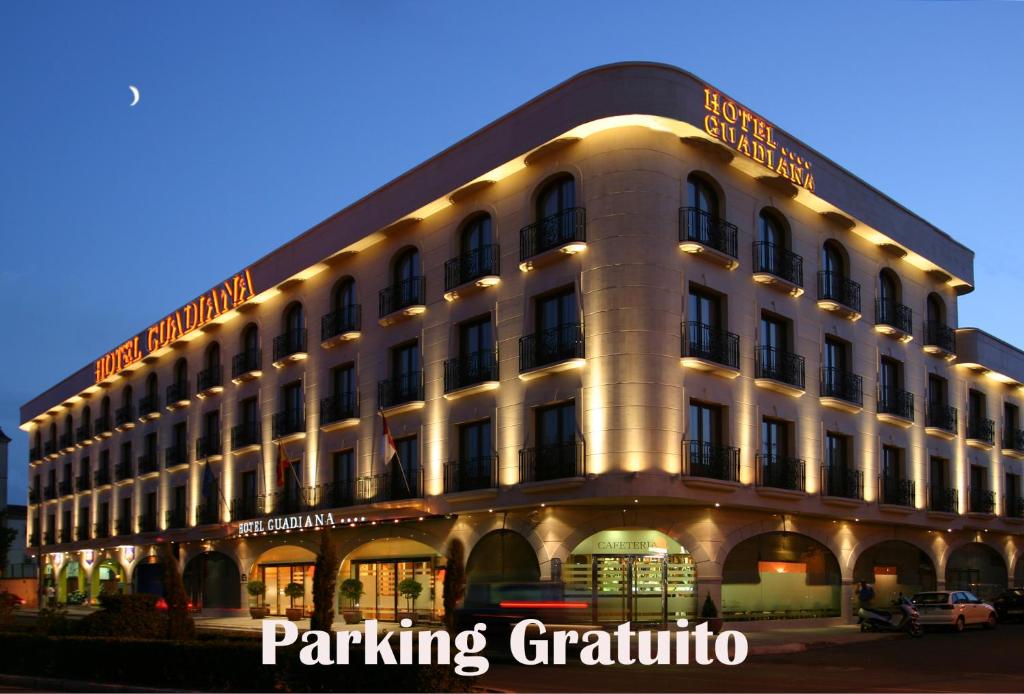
(907, 619)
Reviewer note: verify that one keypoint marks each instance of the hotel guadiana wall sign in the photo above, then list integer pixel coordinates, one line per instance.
(231, 294)
(752, 136)
(297, 521)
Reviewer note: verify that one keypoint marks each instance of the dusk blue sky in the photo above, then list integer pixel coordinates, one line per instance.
(259, 119)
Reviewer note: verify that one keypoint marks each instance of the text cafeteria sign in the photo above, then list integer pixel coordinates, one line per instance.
(231, 294)
(298, 521)
(754, 137)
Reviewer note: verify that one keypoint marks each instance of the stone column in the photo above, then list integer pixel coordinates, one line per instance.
(847, 600)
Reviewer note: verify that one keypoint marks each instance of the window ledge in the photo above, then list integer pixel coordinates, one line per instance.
(1013, 453)
(208, 392)
(552, 255)
(404, 407)
(938, 351)
(294, 436)
(247, 376)
(471, 287)
(840, 404)
(247, 449)
(150, 416)
(338, 339)
(708, 366)
(779, 387)
(712, 255)
(896, 508)
(402, 314)
(472, 389)
(895, 420)
(980, 444)
(556, 367)
(339, 424)
(940, 433)
(779, 284)
(290, 359)
(178, 404)
(839, 309)
(893, 332)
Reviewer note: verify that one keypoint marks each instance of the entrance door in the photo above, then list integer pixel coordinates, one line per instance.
(629, 588)
(648, 588)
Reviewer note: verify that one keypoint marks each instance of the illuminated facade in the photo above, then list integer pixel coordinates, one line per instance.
(651, 346)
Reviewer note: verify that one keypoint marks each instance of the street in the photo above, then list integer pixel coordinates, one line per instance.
(975, 661)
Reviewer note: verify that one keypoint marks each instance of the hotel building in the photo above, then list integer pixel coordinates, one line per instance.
(631, 337)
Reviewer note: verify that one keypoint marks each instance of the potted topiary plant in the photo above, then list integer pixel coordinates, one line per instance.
(294, 590)
(709, 615)
(351, 590)
(409, 589)
(258, 590)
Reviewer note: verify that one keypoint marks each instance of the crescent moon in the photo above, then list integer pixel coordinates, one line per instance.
(135, 94)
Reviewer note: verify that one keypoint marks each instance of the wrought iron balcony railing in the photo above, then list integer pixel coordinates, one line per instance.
(124, 526)
(552, 462)
(777, 365)
(123, 470)
(842, 481)
(403, 294)
(289, 343)
(246, 362)
(980, 500)
(147, 523)
(288, 422)
(65, 488)
(35, 496)
(207, 446)
(702, 227)
(208, 513)
(712, 344)
(895, 315)
(401, 389)
(937, 334)
(148, 405)
(470, 369)
(338, 494)
(471, 265)
(176, 518)
(1013, 439)
(781, 262)
(176, 455)
(246, 508)
(82, 532)
(84, 432)
(148, 463)
(551, 346)
(83, 482)
(898, 492)
(177, 392)
(50, 448)
(101, 529)
(559, 229)
(940, 416)
(338, 408)
(65, 534)
(711, 460)
(66, 440)
(101, 425)
(833, 286)
(209, 378)
(1013, 506)
(943, 499)
(102, 476)
(842, 385)
(398, 485)
(896, 402)
(345, 319)
(245, 434)
(983, 430)
(469, 474)
(34, 454)
(50, 491)
(780, 472)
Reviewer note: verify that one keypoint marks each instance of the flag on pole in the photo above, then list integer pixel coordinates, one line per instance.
(283, 463)
(209, 481)
(391, 457)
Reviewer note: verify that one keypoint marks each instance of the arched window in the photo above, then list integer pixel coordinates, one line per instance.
(406, 267)
(771, 230)
(701, 196)
(69, 426)
(476, 235)
(105, 411)
(53, 435)
(181, 372)
(126, 397)
(343, 297)
(250, 339)
(86, 415)
(39, 443)
(557, 197)
(294, 320)
(888, 288)
(213, 356)
(771, 251)
(152, 386)
(833, 260)
(936, 310)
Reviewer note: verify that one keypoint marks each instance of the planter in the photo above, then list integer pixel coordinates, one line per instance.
(715, 624)
(259, 612)
(294, 613)
(352, 616)
(411, 616)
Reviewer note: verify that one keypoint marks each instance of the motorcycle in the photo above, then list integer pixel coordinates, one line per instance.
(907, 619)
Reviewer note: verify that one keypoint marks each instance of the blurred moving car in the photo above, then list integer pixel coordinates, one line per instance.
(501, 605)
(10, 601)
(956, 608)
(1010, 605)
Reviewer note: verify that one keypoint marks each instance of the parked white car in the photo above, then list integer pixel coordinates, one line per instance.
(956, 608)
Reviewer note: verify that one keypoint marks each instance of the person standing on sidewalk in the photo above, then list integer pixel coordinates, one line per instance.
(865, 594)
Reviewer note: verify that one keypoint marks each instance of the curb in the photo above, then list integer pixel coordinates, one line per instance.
(801, 646)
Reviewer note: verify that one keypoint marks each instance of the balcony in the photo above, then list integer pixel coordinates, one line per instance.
(341, 325)
(175, 456)
(208, 447)
(245, 366)
(1013, 507)
(65, 488)
(83, 482)
(246, 508)
(123, 471)
(148, 463)
(779, 371)
(147, 523)
(711, 461)
(405, 392)
(391, 486)
(708, 237)
(289, 424)
(778, 268)
(50, 448)
(101, 529)
(178, 395)
(839, 295)
(209, 381)
(471, 475)
(942, 499)
(289, 347)
(940, 420)
(35, 496)
(338, 494)
(294, 501)
(124, 526)
(149, 407)
(473, 270)
(895, 406)
(894, 320)
(842, 482)
(842, 390)
(981, 501)
(981, 433)
(337, 411)
(102, 427)
(470, 373)
(102, 477)
(552, 462)
(33, 540)
(176, 518)
(83, 434)
(709, 349)
(208, 513)
(50, 538)
(67, 441)
(556, 236)
(35, 454)
(896, 492)
(780, 472)
(1013, 442)
(65, 534)
(402, 300)
(50, 491)
(246, 437)
(548, 351)
(939, 339)
(82, 532)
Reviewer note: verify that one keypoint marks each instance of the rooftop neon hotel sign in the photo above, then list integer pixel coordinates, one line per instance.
(231, 294)
(753, 137)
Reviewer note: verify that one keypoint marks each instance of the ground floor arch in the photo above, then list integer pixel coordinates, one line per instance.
(631, 574)
(108, 576)
(780, 575)
(281, 566)
(72, 582)
(978, 568)
(382, 565)
(148, 577)
(502, 556)
(211, 581)
(894, 568)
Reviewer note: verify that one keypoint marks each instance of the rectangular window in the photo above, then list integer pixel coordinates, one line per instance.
(892, 465)
(836, 355)
(211, 425)
(890, 376)
(976, 406)
(151, 505)
(343, 466)
(774, 332)
(475, 441)
(151, 446)
(180, 433)
(1011, 425)
(556, 425)
(405, 362)
(705, 307)
(774, 437)
(705, 423)
(291, 397)
(250, 414)
(556, 310)
(476, 336)
(405, 477)
(126, 453)
(836, 450)
(937, 390)
(179, 500)
(939, 469)
(126, 513)
(249, 486)
(343, 382)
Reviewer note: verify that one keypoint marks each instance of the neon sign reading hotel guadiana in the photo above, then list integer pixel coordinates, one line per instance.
(230, 295)
(754, 137)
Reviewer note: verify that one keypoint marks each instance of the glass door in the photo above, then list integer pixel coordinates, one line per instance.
(611, 589)
(648, 589)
